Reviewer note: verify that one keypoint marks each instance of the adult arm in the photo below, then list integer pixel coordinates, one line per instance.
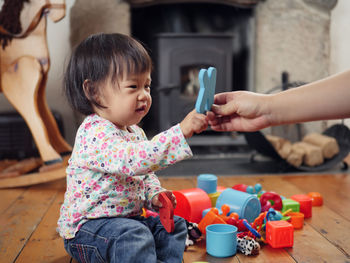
(247, 111)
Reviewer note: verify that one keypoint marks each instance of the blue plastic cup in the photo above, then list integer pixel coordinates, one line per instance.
(207, 182)
(246, 205)
(221, 240)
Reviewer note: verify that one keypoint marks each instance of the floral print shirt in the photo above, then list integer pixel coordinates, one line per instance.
(111, 171)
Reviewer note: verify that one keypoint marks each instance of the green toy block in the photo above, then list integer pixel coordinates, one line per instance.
(290, 204)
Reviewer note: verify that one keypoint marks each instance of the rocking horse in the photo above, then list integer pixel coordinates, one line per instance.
(25, 63)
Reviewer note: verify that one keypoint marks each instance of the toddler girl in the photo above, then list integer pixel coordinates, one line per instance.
(110, 175)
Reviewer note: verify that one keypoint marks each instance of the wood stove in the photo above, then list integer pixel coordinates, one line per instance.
(180, 56)
(183, 38)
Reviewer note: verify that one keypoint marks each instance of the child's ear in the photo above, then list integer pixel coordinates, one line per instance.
(90, 91)
(92, 94)
(87, 89)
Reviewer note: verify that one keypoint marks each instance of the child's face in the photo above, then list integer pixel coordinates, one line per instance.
(128, 103)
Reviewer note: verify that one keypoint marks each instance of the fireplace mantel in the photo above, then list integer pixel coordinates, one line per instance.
(239, 3)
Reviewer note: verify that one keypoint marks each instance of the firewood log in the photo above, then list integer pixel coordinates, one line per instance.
(281, 145)
(296, 156)
(285, 149)
(328, 144)
(276, 141)
(313, 154)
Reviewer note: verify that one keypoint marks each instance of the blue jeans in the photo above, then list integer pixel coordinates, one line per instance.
(126, 240)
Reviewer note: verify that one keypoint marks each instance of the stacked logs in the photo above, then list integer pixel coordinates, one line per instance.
(311, 151)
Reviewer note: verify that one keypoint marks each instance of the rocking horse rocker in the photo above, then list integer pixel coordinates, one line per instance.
(25, 63)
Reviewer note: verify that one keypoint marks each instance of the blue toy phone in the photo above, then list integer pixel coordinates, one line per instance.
(207, 82)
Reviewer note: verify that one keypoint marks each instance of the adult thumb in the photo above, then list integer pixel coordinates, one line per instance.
(224, 110)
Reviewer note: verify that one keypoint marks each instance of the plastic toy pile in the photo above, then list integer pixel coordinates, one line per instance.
(243, 217)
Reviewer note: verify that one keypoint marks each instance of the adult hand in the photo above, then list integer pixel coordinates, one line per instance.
(239, 111)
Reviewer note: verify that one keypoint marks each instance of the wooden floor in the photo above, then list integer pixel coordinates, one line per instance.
(29, 215)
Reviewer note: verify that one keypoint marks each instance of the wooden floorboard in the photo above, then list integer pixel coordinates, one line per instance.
(29, 218)
(46, 234)
(19, 221)
(8, 196)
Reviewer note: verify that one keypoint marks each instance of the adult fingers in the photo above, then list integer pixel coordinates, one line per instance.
(220, 98)
(225, 109)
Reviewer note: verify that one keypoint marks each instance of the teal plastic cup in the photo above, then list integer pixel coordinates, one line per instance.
(246, 205)
(207, 182)
(221, 240)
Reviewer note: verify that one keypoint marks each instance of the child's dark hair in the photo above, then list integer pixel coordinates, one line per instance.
(96, 58)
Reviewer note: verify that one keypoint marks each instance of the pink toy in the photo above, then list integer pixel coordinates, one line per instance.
(166, 213)
(147, 213)
(191, 203)
(266, 206)
(266, 197)
(305, 202)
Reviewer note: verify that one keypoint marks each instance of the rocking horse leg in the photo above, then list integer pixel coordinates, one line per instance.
(55, 137)
(20, 84)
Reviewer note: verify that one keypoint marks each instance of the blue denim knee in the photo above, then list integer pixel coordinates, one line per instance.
(128, 240)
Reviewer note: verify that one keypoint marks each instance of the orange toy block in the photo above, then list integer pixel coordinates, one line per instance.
(305, 202)
(279, 234)
(317, 199)
(296, 219)
(212, 217)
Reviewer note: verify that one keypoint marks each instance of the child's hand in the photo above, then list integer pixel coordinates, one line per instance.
(157, 204)
(193, 122)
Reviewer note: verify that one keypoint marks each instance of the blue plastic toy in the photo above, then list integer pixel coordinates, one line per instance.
(254, 190)
(207, 82)
(251, 229)
(273, 215)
